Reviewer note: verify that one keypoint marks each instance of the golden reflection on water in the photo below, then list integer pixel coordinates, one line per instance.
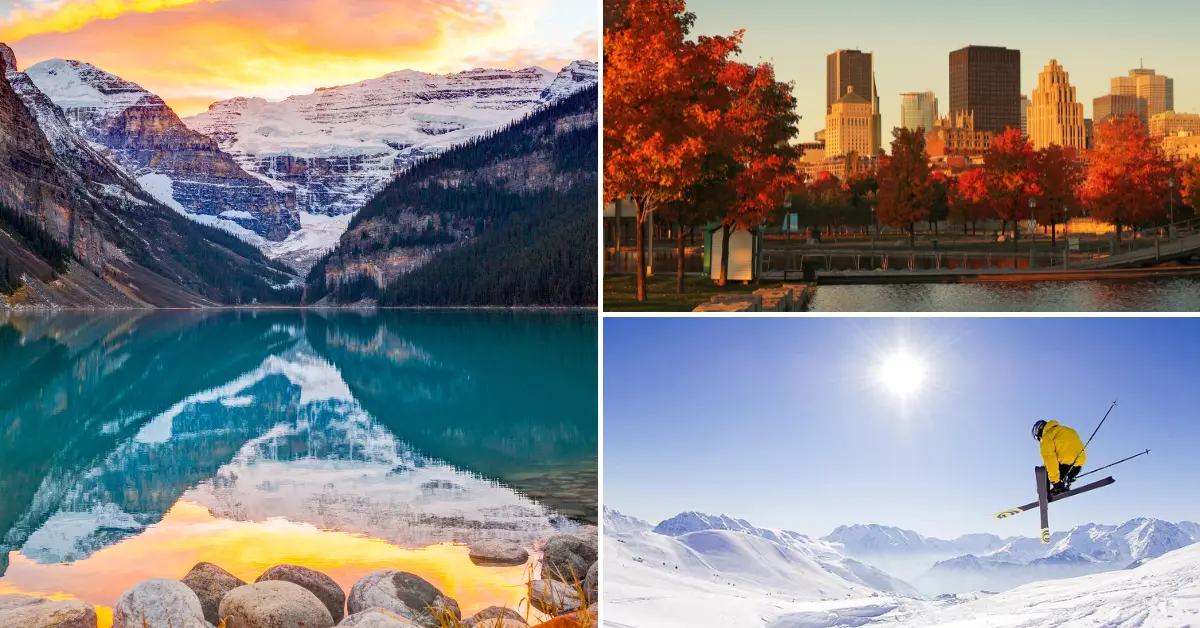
(188, 534)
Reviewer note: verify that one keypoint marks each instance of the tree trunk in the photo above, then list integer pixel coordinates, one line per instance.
(912, 235)
(1053, 235)
(1118, 226)
(617, 220)
(679, 280)
(641, 254)
(724, 255)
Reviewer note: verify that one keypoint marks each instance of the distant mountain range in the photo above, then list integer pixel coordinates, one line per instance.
(971, 562)
(98, 159)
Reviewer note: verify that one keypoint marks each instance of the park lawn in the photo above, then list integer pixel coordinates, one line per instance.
(620, 292)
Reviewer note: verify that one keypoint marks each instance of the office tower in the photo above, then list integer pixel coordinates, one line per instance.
(849, 126)
(918, 110)
(1113, 106)
(1171, 123)
(1055, 117)
(1155, 93)
(986, 81)
(845, 69)
(1025, 102)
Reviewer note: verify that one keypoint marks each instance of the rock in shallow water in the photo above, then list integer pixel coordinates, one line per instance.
(30, 611)
(405, 594)
(485, 617)
(210, 583)
(377, 618)
(591, 584)
(274, 604)
(498, 552)
(566, 558)
(317, 583)
(553, 597)
(159, 602)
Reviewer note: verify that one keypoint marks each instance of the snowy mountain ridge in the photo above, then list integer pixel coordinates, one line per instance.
(870, 539)
(616, 522)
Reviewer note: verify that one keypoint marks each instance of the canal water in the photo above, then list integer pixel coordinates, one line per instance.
(1173, 294)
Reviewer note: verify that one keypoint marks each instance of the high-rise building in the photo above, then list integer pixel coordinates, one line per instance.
(1055, 117)
(918, 110)
(854, 70)
(849, 126)
(986, 81)
(845, 69)
(1089, 129)
(1171, 123)
(1025, 102)
(1113, 106)
(1155, 93)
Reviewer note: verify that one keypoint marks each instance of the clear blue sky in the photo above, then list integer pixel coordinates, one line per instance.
(783, 421)
(1094, 40)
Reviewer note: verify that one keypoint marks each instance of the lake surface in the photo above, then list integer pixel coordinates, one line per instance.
(134, 445)
(1172, 294)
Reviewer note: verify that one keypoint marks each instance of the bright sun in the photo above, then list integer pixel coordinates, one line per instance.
(902, 373)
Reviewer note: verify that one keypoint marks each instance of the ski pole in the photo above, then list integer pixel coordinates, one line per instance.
(1089, 440)
(1113, 464)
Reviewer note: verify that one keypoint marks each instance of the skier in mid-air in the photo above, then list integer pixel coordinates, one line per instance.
(1062, 452)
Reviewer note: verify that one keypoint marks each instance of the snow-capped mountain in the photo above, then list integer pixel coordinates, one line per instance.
(1089, 548)
(181, 168)
(874, 539)
(327, 153)
(617, 523)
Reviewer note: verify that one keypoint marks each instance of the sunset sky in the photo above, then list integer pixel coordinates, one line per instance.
(195, 52)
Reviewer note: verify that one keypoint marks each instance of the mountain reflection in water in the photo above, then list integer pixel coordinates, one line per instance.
(134, 445)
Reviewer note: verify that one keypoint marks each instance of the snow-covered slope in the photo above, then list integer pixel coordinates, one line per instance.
(181, 168)
(1163, 593)
(1089, 548)
(616, 523)
(328, 152)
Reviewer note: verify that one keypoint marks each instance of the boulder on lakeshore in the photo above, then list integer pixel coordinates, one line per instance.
(377, 618)
(567, 558)
(274, 604)
(498, 552)
(489, 616)
(553, 597)
(210, 583)
(159, 602)
(31, 611)
(574, 620)
(591, 584)
(403, 593)
(317, 583)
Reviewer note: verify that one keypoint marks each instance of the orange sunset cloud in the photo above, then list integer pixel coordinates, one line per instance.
(193, 52)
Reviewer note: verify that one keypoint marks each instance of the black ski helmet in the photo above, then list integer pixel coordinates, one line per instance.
(1037, 429)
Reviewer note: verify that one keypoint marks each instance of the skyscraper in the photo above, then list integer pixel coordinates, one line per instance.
(845, 69)
(1025, 102)
(918, 110)
(1055, 117)
(986, 81)
(1155, 93)
(1113, 106)
(849, 126)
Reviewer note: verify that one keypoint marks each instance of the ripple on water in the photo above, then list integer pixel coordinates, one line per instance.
(1172, 294)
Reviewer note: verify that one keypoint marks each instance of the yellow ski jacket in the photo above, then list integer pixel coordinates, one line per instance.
(1060, 445)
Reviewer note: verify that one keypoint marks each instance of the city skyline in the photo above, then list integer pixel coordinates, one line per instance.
(1095, 45)
(195, 52)
(791, 426)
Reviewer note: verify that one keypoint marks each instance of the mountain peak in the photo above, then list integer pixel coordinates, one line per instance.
(79, 85)
(9, 58)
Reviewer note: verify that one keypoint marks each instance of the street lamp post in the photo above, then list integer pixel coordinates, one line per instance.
(1171, 195)
(1032, 206)
(874, 228)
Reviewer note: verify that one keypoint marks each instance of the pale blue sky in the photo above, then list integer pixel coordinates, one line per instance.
(1094, 40)
(784, 421)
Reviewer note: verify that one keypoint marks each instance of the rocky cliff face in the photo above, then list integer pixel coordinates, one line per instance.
(182, 168)
(126, 249)
(329, 152)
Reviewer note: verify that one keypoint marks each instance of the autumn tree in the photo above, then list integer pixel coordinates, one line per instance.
(862, 189)
(1127, 174)
(661, 103)
(1008, 167)
(905, 183)
(1056, 181)
(703, 202)
(969, 199)
(939, 208)
(827, 198)
(755, 132)
(1189, 184)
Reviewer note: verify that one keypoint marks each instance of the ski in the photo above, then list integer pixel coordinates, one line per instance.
(1043, 492)
(1053, 498)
